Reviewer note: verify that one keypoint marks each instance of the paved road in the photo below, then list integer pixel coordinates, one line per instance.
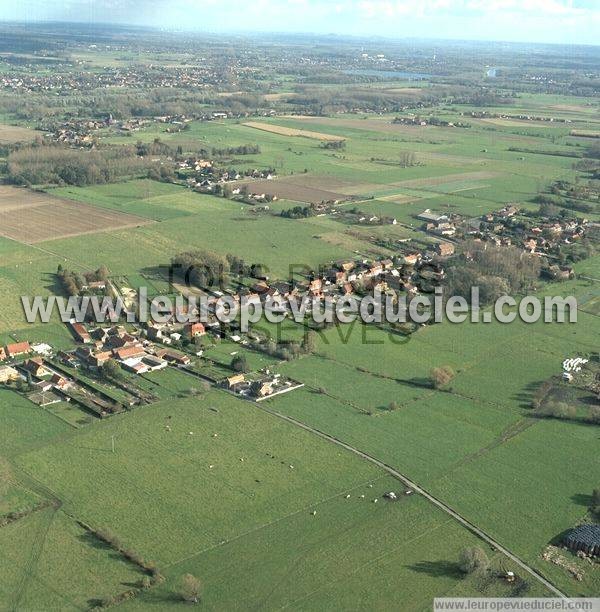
(415, 487)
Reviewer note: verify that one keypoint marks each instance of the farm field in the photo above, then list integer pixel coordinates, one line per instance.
(10, 134)
(484, 419)
(32, 217)
(283, 131)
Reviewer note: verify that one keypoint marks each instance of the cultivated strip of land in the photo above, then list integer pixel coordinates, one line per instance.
(285, 131)
(30, 217)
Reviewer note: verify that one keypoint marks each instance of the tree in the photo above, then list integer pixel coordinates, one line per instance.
(441, 376)
(393, 406)
(102, 273)
(190, 588)
(473, 560)
(112, 369)
(309, 344)
(240, 364)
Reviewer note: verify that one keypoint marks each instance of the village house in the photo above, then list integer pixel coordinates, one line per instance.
(68, 359)
(43, 349)
(193, 330)
(95, 286)
(17, 349)
(412, 259)
(129, 352)
(35, 367)
(80, 332)
(59, 382)
(233, 382)
(173, 357)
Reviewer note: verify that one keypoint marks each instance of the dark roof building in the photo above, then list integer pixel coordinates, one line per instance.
(585, 538)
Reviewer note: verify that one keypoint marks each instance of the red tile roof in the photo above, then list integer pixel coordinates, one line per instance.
(19, 348)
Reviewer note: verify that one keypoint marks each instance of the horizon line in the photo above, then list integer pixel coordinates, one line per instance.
(251, 33)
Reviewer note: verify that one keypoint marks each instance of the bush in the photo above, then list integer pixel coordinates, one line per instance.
(240, 364)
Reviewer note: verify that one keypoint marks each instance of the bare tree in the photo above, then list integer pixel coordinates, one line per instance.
(441, 376)
(190, 588)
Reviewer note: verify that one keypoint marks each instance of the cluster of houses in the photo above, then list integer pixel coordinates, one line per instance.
(490, 115)
(204, 176)
(29, 364)
(134, 77)
(131, 351)
(541, 237)
(423, 121)
(507, 227)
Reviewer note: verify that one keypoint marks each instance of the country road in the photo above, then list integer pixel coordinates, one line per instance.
(415, 487)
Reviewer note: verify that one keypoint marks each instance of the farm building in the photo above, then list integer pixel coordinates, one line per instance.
(585, 538)
(432, 217)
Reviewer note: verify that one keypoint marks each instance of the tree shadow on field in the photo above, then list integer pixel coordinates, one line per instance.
(417, 383)
(525, 396)
(438, 569)
(91, 540)
(51, 283)
(582, 499)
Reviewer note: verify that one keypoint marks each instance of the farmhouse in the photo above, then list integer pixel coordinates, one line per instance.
(147, 363)
(130, 352)
(80, 332)
(7, 374)
(18, 349)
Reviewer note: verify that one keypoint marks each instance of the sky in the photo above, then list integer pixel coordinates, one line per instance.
(549, 21)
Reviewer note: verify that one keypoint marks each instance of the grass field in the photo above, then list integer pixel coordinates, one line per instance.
(236, 513)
